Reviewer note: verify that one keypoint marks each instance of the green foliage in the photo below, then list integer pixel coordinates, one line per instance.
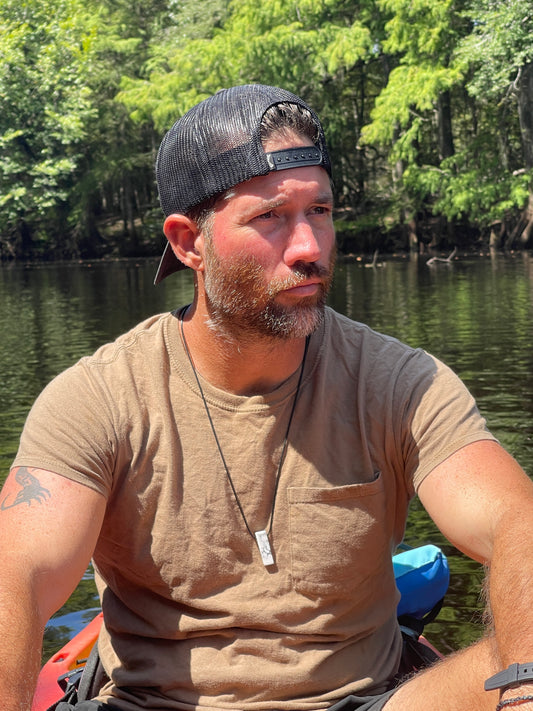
(421, 36)
(446, 52)
(426, 106)
(498, 45)
(408, 100)
(68, 150)
(464, 192)
(46, 107)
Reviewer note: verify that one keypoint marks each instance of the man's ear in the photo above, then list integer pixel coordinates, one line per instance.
(182, 235)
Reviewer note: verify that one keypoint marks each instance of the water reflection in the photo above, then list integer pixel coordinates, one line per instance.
(475, 314)
(52, 315)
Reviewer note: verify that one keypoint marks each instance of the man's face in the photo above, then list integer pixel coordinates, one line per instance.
(269, 253)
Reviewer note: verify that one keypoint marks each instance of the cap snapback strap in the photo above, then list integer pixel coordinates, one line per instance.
(294, 158)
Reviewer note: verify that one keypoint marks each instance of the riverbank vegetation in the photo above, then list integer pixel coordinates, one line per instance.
(427, 107)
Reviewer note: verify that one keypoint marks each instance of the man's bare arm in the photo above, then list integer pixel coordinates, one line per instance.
(49, 526)
(482, 501)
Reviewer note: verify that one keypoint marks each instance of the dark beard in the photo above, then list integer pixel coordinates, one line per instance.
(241, 305)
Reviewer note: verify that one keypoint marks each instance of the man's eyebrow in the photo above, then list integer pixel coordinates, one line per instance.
(322, 198)
(271, 204)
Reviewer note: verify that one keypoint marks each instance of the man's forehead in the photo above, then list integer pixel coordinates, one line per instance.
(278, 187)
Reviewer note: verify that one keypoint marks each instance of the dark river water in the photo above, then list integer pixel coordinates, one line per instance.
(476, 314)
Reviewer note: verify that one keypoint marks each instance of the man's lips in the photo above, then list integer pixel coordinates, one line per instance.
(309, 287)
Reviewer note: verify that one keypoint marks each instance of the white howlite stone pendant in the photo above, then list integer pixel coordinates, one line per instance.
(264, 547)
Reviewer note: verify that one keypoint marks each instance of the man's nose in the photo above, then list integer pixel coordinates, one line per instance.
(303, 244)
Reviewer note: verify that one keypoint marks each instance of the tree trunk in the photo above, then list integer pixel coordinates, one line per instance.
(527, 232)
(128, 215)
(497, 231)
(412, 233)
(524, 229)
(444, 120)
(523, 232)
(25, 242)
(524, 86)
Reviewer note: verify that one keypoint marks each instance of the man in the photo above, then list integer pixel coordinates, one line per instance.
(240, 469)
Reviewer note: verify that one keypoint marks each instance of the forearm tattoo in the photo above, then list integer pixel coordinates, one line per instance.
(31, 490)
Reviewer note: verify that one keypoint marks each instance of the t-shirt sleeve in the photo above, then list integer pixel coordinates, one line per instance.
(440, 416)
(70, 430)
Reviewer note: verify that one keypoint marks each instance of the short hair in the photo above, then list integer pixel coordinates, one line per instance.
(202, 213)
(286, 118)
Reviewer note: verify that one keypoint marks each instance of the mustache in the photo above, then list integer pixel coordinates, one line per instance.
(302, 271)
(305, 270)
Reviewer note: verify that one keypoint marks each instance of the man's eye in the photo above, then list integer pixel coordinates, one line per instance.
(265, 215)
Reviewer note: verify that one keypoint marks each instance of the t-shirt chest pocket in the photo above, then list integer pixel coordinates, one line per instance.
(338, 536)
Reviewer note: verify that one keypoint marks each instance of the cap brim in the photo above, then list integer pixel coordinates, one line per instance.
(168, 265)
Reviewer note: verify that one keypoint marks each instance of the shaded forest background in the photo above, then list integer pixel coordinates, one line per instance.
(427, 107)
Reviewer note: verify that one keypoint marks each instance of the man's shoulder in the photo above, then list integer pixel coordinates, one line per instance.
(149, 334)
(358, 349)
(133, 355)
(348, 332)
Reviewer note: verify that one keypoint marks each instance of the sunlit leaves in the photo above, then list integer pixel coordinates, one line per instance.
(411, 91)
(348, 45)
(89, 86)
(46, 106)
(499, 43)
(446, 49)
(420, 29)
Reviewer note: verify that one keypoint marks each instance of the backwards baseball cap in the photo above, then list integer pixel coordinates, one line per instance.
(217, 145)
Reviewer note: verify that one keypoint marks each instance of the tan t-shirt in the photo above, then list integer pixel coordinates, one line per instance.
(193, 619)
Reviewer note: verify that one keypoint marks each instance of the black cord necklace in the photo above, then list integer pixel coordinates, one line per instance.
(261, 537)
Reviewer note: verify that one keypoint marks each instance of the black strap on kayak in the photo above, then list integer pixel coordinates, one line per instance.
(81, 684)
(92, 674)
(412, 626)
(69, 683)
(415, 656)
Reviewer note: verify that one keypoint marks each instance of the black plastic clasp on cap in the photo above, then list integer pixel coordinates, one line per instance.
(294, 158)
